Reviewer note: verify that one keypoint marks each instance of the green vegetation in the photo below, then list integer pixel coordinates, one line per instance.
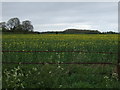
(14, 25)
(59, 75)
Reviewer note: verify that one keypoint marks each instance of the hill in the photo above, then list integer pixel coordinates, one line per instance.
(79, 31)
(73, 31)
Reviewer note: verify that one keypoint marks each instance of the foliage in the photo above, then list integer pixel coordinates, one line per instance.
(14, 26)
(27, 25)
(13, 23)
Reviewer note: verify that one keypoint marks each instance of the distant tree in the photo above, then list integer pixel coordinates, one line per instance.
(13, 23)
(19, 28)
(3, 26)
(110, 32)
(27, 26)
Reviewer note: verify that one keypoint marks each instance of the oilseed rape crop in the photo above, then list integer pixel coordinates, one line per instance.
(23, 53)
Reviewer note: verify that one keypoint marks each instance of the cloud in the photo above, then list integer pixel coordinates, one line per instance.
(61, 1)
(62, 15)
(0, 11)
(61, 27)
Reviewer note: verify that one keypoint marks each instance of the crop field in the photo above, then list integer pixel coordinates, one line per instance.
(57, 60)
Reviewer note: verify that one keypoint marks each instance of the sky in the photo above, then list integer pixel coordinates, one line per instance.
(58, 16)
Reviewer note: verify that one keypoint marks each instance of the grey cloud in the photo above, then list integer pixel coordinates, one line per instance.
(89, 13)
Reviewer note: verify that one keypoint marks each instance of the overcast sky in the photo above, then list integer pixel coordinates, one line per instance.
(57, 16)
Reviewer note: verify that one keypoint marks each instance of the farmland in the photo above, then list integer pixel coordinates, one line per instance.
(27, 73)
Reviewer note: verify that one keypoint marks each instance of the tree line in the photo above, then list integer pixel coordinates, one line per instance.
(77, 31)
(14, 25)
